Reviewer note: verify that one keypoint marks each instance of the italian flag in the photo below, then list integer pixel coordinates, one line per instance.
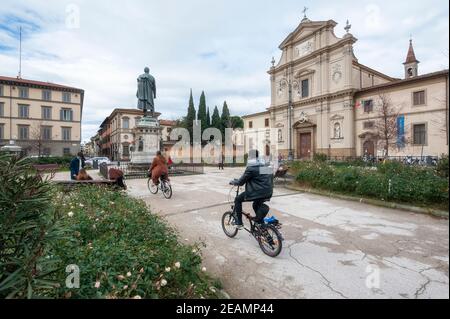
(359, 103)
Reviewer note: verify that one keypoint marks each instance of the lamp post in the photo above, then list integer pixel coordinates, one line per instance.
(291, 152)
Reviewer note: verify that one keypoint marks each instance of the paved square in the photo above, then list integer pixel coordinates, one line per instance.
(332, 249)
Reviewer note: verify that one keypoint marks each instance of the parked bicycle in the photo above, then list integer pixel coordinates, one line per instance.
(164, 185)
(267, 234)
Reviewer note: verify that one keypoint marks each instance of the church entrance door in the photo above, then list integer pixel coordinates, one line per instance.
(304, 146)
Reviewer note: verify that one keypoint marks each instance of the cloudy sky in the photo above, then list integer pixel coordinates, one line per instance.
(221, 46)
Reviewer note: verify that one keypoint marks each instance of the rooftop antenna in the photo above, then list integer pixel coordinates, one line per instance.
(20, 53)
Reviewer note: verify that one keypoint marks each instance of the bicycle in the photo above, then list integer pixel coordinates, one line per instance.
(267, 234)
(164, 185)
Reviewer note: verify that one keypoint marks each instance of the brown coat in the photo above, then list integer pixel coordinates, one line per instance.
(158, 168)
(115, 173)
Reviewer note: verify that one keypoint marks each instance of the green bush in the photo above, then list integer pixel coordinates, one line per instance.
(442, 167)
(120, 248)
(28, 223)
(320, 157)
(388, 181)
(114, 235)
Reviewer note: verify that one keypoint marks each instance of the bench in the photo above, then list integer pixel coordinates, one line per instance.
(46, 168)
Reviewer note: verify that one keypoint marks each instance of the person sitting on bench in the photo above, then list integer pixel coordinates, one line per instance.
(83, 175)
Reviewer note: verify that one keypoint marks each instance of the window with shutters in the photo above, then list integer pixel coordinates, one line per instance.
(125, 123)
(2, 131)
(46, 95)
(420, 134)
(46, 132)
(66, 97)
(23, 110)
(1, 90)
(305, 88)
(250, 124)
(419, 98)
(66, 115)
(65, 133)
(23, 131)
(266, 122)
(23, 93)
(46, 112)
(2, 109)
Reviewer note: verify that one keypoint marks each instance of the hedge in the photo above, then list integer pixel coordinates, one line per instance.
(391, 181)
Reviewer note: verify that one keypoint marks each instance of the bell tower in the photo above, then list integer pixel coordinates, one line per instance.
(411, 64)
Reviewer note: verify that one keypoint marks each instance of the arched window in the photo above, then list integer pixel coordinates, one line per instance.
(125, 123)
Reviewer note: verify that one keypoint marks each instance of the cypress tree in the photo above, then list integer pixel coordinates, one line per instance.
(190, 117)
(201, 115)
(215, 119)
(208, 119)
(225, 118)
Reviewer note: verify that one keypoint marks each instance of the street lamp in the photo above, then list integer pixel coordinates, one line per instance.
(291, 152)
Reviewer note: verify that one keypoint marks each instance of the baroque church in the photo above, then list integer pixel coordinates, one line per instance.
(324, 101)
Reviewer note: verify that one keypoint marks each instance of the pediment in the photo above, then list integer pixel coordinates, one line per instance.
(279, 125)
(303, 73)
(303, 124)
(336, 117)
(304, 30)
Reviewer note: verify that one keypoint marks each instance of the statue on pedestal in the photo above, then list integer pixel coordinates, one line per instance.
(146, 92)
(147, 133)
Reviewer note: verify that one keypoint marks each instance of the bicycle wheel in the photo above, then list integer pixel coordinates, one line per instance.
(151, 186)
(228, 222)
(270, 240)
(166, 189)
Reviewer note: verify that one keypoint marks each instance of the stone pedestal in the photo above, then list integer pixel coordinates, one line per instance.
(147, 140)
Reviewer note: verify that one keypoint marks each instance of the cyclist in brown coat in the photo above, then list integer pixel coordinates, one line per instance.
(158, 168)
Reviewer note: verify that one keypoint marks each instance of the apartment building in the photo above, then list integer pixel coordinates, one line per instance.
(116, 133)
(41, 117)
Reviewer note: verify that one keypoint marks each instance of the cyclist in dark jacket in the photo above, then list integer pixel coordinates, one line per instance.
(258, 180)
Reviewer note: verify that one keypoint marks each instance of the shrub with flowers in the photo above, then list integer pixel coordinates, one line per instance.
(124, 251)
(391, 181)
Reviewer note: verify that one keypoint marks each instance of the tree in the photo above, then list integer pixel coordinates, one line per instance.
(215, 119)
(386, 123)
(202, 115)
(225, 118)
(38, 140)
(190, 117)
(237, 122)
(208, 119)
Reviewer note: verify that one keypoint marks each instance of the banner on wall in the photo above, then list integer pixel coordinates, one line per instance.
(401, 131)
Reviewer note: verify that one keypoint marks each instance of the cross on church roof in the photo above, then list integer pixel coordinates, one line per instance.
(348, 26)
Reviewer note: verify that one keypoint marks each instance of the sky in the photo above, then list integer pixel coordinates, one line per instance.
(223, 47)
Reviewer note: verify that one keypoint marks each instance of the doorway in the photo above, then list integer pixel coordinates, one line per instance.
(304, 145)
(369, 148)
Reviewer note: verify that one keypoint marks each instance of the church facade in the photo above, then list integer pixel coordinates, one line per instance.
(324, 101)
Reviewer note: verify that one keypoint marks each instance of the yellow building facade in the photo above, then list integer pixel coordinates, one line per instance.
(43, 118)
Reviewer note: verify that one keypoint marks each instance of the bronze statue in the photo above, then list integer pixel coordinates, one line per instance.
(146, 92)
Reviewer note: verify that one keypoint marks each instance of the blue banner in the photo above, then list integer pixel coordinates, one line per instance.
(401, 131)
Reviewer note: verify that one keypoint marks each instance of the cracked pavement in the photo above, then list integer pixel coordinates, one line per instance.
(332, 249)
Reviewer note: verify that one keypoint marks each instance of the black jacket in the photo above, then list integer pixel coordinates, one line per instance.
(258, 180)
